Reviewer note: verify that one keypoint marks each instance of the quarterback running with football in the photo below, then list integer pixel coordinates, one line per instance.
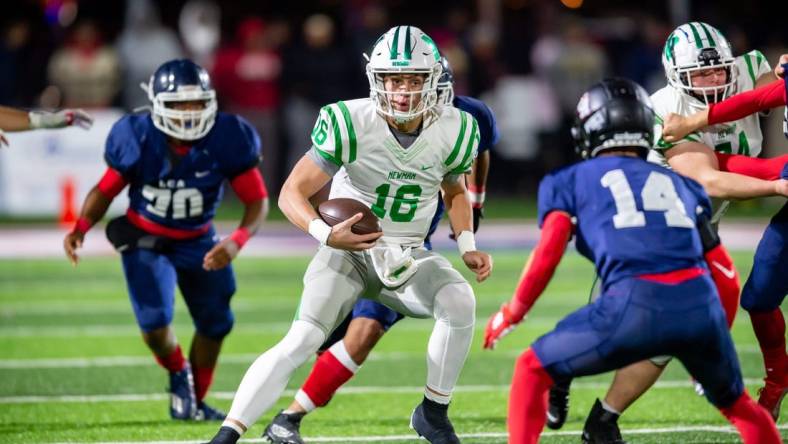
(395, 152)
(370, 320)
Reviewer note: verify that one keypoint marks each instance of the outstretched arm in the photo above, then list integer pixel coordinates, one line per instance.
(699, 162)
(544, 259)
(736, 107)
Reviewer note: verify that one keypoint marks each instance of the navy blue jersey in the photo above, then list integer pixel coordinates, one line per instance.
(180, 192)
(632, 217)
(488, 137)
(488, 130)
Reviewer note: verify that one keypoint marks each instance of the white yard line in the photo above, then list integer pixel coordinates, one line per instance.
(488, 435)
(238, 358)
(362, 390)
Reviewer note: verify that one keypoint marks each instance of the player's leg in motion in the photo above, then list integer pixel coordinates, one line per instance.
(332, 283)
(334, 367)
(716, 367)
(448, 347)
(207, 295)
(762, 296)
(151, 277)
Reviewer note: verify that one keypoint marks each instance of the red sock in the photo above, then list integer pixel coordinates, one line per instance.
(174, 362)
(769, 328)
(528, 399)
(203, 377)
(754, 423)
(331, 370)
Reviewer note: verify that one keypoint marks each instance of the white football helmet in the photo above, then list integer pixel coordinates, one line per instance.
(404, 50)
(694, 47)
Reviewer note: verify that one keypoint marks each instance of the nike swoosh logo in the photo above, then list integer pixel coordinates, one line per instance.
(728, 272)
(551, 418)
(199, 174)
(425, 168)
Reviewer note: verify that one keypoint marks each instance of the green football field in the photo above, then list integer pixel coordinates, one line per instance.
(74, 369)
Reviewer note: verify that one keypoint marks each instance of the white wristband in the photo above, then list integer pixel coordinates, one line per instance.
(319, 230)
(477, 199)
(35, 118)
(466, 242)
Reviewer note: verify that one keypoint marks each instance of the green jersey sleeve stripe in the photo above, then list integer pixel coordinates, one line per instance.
(759, 59)
(471, 144)
(748, 59)
(456, 151)
(708, 34)
(327, 156)
(695, 34)
(350, 131)
(337, 134)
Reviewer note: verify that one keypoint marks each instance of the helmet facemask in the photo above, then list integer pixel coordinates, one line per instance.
(184, 124)
(446, 84)
(682, 78)
(419, 102)
(693, 48)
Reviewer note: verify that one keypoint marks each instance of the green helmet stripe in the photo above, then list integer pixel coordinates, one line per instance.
(695, 34)
(672, 40)
(431, 44)
(708, 34)
(395, 44)
(408, 48)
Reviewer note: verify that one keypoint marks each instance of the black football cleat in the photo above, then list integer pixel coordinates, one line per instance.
(225, 435)
(208, 413)
(284, 428)
(558, 405)
(183, 402)
(601, 427)
(430, 420)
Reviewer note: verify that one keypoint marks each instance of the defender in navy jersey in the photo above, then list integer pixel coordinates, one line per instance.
(174, 161)
(647, 230)
(369, 320)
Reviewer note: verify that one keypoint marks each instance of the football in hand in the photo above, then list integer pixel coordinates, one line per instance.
(334, 211)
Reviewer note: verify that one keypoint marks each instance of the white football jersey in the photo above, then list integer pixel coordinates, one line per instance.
(400, 185)
(742, 136)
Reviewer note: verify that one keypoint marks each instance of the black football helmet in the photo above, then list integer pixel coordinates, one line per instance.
(614, 113)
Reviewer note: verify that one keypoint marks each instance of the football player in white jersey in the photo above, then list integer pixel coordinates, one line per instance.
(394, 152)
(700, 69)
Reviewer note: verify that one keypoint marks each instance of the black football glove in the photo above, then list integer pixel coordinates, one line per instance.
(478, 215)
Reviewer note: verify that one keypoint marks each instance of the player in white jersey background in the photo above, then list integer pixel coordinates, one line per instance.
(394, 152)
(700, 69)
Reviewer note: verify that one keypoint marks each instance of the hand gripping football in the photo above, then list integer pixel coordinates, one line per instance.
(337, 210)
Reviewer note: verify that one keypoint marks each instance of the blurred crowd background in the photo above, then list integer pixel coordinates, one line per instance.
(277, 63)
